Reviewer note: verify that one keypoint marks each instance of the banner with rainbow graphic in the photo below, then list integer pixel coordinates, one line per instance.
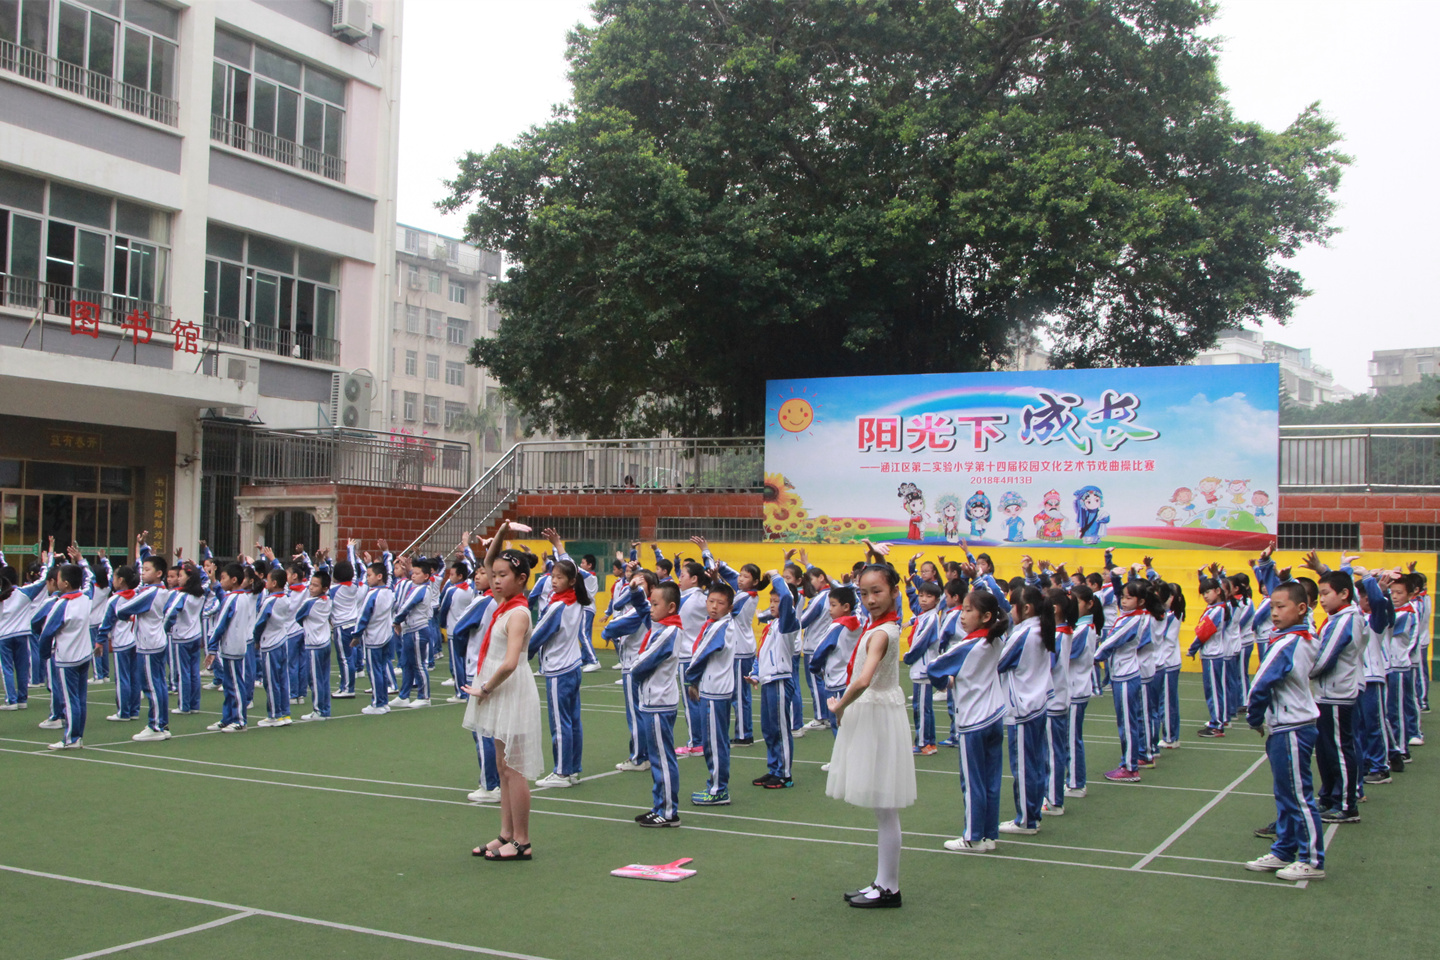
(1141, 457)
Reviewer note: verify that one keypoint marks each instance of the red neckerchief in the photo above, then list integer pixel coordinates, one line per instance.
(127, 594)
(1064, 628)
(1299, 630)
(563, 596)
(977, 634)
(294, 587)
(70, 596)
(884, 618)
(851, 622)
(664, 622)
(344, 583)
(519, 600)
(463, 585)
(1406, 607)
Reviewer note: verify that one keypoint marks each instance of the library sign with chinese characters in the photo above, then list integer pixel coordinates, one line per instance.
(137, 326)
(1147, 457)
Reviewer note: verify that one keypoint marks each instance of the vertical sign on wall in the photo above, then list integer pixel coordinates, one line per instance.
(158, 511)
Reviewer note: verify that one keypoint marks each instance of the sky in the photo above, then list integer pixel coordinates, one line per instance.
(1364, 63)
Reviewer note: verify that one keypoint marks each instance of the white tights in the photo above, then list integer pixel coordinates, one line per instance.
(887, 824)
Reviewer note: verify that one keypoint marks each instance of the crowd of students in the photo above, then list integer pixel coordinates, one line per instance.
(1017, 662)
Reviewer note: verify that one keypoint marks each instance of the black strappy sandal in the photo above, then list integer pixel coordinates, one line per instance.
(522, 852)
(482, 852)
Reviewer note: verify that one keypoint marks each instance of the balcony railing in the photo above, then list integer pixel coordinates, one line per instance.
(283, 343)
(288, 152)
(1376, 456)
(98, 87)
(37, 297)
(352, 457)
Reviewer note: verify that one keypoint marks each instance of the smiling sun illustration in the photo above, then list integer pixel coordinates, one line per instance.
(796, 414)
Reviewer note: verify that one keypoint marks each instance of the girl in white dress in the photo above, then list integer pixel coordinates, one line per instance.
(504, 703)
(872, 764)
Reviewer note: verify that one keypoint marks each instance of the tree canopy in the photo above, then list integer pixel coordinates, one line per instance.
(751, 190)
(1412, 403)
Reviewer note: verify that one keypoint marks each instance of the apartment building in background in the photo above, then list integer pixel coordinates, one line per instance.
(197, 204)
(1307, 383)
(1401, 368)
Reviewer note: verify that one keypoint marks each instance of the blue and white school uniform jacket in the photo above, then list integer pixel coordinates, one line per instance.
(1406, 637)
(1122, 646)
(454, 601)
(1261, 624)
(66, 625)
(147, 609)
(230, 633)
(346, 598)
(312, 616)
(17, 611)
(692, 621)
(1375, 660)
(775, 661)
(556, 638)
(1338, 674)
(742, 611)
(971, 666)
(831, 659)
(815, 622)
(412, 608)
(629, 629)
(120, 634)
(274, 619)
(1165, 638)
(182, 616)
(470, 629)
(924, 644)
(99, 595)
(1210, 633)
(374, 622)
(1080, 674)
(1058, 702)
(712, 662)
(654, 669)
(1024, 669)
(1238, 629)
(1280, 694)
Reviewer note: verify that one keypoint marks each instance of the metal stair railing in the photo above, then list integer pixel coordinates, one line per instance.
(486, 499)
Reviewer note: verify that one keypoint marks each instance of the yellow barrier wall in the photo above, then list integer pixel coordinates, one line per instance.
(1179, 566)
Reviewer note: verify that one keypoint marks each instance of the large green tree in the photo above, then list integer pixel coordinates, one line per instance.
(752, 189)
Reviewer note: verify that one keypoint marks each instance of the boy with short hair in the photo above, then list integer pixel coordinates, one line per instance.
(64, 629)
(1336, 680)
(411, 618)
(347, 594)
(313, 618)
(627, 631)
(710, 682)
(272, 624)
(374, 629)
(227, 647)
(832, 655)
(925, 605)
(119, 635)
(152, 645)
(1282, 709)
(775, 676)
(653, 674)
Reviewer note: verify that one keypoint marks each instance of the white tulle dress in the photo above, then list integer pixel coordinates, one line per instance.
(871, 765)
(511, 714)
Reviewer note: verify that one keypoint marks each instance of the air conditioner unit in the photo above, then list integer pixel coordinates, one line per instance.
(350, 20)
(242, 369)
(351, 395)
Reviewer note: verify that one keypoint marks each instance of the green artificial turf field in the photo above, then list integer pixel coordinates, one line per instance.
(351, 838)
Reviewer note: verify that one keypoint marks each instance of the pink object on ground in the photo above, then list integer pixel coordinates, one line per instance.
(669, 872)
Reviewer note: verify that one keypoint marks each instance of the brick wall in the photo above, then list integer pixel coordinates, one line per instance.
(1371, 510)
(646, 506)
(373, 513)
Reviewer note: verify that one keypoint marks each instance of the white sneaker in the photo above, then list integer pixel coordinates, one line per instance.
(590, 668)
(824, 768)
(553, 780)
(151, 734)
(961, 845)
(15, 706)
(620, 682)
(484, 796)
(62, 745)
(816, 725)
(449, 682)
(1299, 870)
(574, 778)
(456, 699)
(419, 703)
(1268, 863)
(312, 715)
(797, 734)
(116, 718)
(399, 702)
(630, 766)
(52, 724)
(1414, 742)
(1170, 744)
(1049, 811)
(284, 721)
(215, 726)
(1075, 792)
(1010, 826)
(374, 711)
(616, 667)
(233, 728)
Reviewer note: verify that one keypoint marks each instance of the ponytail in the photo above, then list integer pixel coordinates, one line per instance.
(1097, 609)
(1029, 596)
(988, 605)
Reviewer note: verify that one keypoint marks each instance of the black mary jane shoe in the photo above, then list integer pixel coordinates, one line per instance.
(886, 899)
(858, 893)
(482, 852)
(522, 852)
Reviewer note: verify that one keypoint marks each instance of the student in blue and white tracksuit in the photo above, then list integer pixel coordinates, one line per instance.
(64, 629)
(1372, 726)
(1425, 619)
(924, 645)
(1282, 706)
(1398, 679)
(227, 644)
(347, 594)
(374, 629)
(435, 586)
(457, 597)
(1080, 677)
(747, 582)
(831, 659)
(1210, 644)
(969, 672)
(626, 631)
(101, 595)
(693, 582)
(119, 636)
(1238, 628)
(1057, 705)
(653, 671)
(183, 611)
(1024, 670)
(1407, 647)
(272, 625)
(412, 618)
(710, 681)
(774, 672)
(1336, 680)
(468, 633)
(312, 616)
(556, 640)
(17, 609)
(1122, 650)
(1165, 694)
(814, 625)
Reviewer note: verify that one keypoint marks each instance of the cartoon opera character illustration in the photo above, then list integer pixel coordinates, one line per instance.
(1010, 506)
(914, 503)
(1260, 499)
(949, 507)
(1166, 515)
(1207, 488)
(1089, 513)
(977, 511)
(1236, 489)
(1050, 522)
(1183, 501)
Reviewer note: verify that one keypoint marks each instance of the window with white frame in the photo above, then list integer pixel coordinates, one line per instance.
(452, 251)
(432, 366)
(432, 409)
(434, 324)
(435, 279)
(454, 373)
(412, 364)
(270, 295)
(457, 331)
(453, 413)
(457, 292)
(409, 409)
(271, 103)
(412, 318)
(412, 240)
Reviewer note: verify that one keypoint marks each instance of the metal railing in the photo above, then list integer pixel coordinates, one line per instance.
(38, 66)
(728, 465)
(1360, 456)
(284, 343)
(274, 457)
(31, 295)
(264, 144)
